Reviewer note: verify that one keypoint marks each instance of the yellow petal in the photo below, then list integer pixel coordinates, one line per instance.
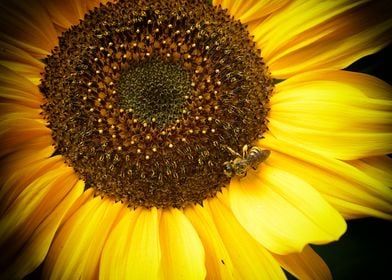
(66, 13)
(309, 35)
(247, 11)
(376, 167)
(144, 252)
(18, 133)
(21, 62)
(76, 249)
(27, 25)
(354, 210)
(9, 110)
(87, 195)
(334, 116)
(225, 3)
(32, 200)
(93, 254)
(59, 257)
(250, 259)
(283, 212)
(32, 206)
(218, 262)
(15, 88)
(36, 247)
(13, 182)
(14, 162)
(306, 265)
(132, 250)
(182, 250)
(16, 180)
(349, 186)
(367, 85)
(114, 260)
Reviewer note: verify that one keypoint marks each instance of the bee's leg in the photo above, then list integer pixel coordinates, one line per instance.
(243, 175)
(245, 151)
(232, 151)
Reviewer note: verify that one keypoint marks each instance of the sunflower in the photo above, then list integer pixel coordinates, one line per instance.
(187, 140)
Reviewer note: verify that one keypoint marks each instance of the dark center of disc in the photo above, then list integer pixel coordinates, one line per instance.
(154, 90)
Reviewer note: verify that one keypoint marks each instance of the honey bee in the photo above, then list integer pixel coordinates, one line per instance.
(251, 158)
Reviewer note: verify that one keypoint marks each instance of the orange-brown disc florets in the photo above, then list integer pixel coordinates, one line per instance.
(144, 98)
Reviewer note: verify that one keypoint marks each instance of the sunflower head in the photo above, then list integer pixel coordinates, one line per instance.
(155, 105)
(147, 99)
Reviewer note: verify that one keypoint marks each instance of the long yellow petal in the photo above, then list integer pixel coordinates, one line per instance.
(34, 204)
(182, 249)
(79, 243)
(144, 251)
(19, 133)
(32, 153)
(218, 261)
(31, 201)
(356, 188)
(15, 88)
(9, 110)
(58, 262)
(247, 11)
(87, 195)
(250, 259)
(16, 180)
(309, 35)
(283, 212)
(35, 249)
(92, 256)
(355, 210)
(376, 167)
(336, 117)
(306, 265)
(21, 62)
(66, 13)
(114, 260)
(365, 84)
(27, 25)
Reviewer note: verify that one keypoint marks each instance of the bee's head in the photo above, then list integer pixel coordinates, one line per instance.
(229, 169)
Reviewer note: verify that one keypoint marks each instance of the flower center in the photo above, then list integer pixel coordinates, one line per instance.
(147, 100)
(154, 90)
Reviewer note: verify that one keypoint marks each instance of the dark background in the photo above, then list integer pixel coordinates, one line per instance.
(364, 252)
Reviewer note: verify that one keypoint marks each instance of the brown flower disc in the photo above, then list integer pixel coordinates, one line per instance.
(144, 97)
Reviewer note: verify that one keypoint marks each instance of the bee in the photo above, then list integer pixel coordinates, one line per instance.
(251, 158)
